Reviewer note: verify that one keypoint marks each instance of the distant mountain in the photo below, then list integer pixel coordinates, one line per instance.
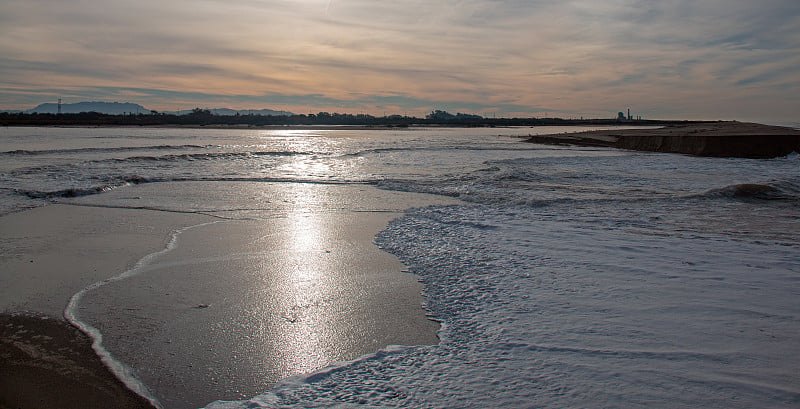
(232, 112)
(119, 108)
(111, 108)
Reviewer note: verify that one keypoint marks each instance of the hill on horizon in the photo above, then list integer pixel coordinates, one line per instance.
(111, 108)
(120, 108)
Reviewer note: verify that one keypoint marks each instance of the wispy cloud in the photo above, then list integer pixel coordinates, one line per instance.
(516, 56)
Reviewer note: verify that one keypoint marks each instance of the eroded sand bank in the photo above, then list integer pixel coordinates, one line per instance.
(720, 139)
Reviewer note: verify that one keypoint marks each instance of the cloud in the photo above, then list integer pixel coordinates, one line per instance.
(568, 56)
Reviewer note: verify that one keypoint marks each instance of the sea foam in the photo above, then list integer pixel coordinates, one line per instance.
(553, 313)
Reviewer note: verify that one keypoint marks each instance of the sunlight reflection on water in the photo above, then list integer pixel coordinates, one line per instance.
(303, 289)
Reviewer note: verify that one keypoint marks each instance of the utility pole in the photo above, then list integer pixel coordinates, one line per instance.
(59, 106)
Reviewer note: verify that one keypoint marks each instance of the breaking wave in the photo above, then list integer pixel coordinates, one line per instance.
(74, 192)
(121, 149)
(775, 190)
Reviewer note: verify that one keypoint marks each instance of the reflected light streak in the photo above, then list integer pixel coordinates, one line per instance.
(306, 234)
(303, 331)
(313, 148)
(289, 133)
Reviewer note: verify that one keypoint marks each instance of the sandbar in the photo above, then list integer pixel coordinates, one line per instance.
(716, 139)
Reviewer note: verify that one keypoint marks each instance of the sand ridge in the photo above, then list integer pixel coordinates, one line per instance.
(718, 139)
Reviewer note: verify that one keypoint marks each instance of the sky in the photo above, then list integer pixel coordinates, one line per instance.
(663, 59)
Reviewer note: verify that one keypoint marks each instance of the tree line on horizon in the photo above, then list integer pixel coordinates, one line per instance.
(204, 117)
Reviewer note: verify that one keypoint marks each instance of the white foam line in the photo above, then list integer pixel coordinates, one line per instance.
(119, 369)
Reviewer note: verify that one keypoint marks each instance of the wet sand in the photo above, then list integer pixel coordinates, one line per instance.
(287, 281)
(45, 363)
(48, 254)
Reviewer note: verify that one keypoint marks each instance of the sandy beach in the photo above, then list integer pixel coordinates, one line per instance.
(50, 253)
(45, 363)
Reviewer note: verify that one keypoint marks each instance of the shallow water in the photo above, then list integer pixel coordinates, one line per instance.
(567, 277)
(258, 295)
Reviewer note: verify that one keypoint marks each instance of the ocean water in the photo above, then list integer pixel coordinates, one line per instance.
(565, 277)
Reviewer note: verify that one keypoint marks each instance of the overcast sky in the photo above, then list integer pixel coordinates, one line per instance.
(694, 59)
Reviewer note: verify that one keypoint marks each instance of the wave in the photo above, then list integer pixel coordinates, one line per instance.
(438, 149)
(542, 194)
(205, 156)
(159, 158)
(85, 191)
(119, 163)
(23, 152)
(774, 190)
(74, 192)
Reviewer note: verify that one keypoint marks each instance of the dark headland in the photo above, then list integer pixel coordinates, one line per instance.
(718, 139)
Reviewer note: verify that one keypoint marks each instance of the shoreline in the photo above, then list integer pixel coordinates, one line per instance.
(46, 363)
(51, 253)
(720, 139)
(234, 126)
(220, 123)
